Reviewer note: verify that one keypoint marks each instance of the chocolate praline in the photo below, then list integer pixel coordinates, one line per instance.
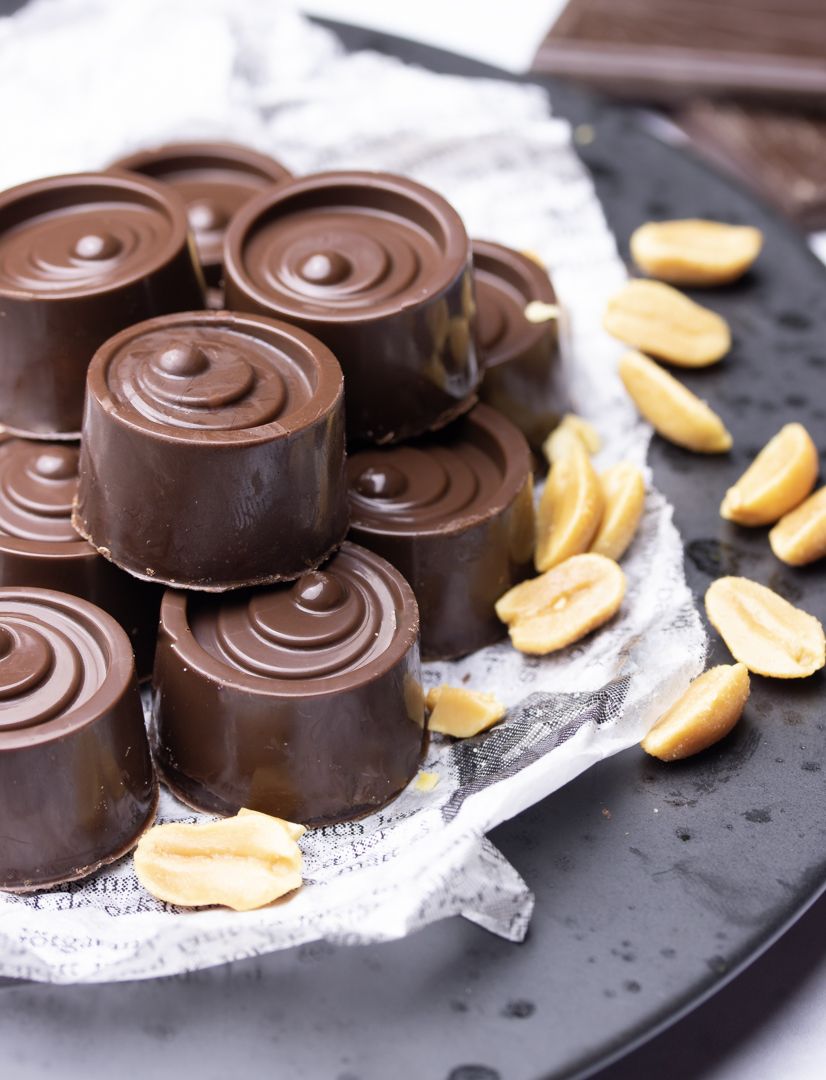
(215, 179)
(213, 451)
(40, 549)
(303, 701)
(378, 268)
(453, 512)
(81, 257)
(524, 376)
(77, 787)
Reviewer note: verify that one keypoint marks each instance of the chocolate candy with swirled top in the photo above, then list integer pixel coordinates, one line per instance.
(77, 787)
(215, 180)
(81, 257)
(303, 700)
(213, 451)
(453, 512)
(378, 268)
(39, 548)
(524, 377)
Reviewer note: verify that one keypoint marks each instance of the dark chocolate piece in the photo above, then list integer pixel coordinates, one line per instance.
(378, 268)
(40, 549)
(666, 51)
(215, 179)
(213, 451)
(81, 257)
(779, 153)
(453, 512)
(523, 377)
(77, 787)
(303, 701)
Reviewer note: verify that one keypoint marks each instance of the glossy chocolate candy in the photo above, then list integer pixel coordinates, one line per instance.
(378, 268)
(39, 548)
(213, 451)
(454, 513)
(77, 787)
(215, 180)
(524, 377)
(302, 700)
(81, 257)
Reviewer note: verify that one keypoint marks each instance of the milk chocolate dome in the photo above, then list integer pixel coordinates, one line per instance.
(81, 257)
(378, 268)
(213, 451)
(302, 700)
(77, 787)
(40, 549)
(453, 512)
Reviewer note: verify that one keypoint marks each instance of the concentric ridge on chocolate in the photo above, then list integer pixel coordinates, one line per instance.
(301, 700)
(81, 257)
(378, 268)
(233, 430)
(215, 180)
(453, 512)
(76, 782)
(40, 549)
(524, 376)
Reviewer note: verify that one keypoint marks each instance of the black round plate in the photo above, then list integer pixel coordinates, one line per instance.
(654, 883)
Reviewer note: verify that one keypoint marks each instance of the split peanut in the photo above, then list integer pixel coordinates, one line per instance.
(676, 413)
(570, 509)
(461, 713)
(764, 631)
(779, 478)
(562, 605)
(624, 491)
(800, 536)
(571, 430)
(706, 712)
(695, 252)
(242, 862)
(661, 321)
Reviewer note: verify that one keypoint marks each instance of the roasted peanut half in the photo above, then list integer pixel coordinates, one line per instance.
(676, 413)
(624, 491)
(462, 713)
(706, 712)
(764, 631)
(563, 605)
(695, 252)
(779, 478)
(661, 321)
(570, 429)
(570, 509)
(242, 862)
(799, 537)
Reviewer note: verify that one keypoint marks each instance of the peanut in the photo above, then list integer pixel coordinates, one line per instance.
(659, 320)
(568, 431)
(624, 492)
(242, 862)
(706, 712)
(779, 478)
(764, 631)
(676, 413)
(695, 252)
(563, 605)
(570, 509)
(537, 311)
(800, 536)
(462, 713)
(426, 781)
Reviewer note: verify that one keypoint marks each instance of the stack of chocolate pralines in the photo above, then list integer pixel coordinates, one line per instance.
(212, 461)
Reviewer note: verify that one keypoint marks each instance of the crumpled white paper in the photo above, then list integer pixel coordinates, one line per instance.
(92, 79)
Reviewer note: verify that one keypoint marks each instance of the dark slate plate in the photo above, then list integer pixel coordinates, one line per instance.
(654, 884)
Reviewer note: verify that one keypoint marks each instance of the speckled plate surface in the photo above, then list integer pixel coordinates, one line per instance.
(654, 883)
